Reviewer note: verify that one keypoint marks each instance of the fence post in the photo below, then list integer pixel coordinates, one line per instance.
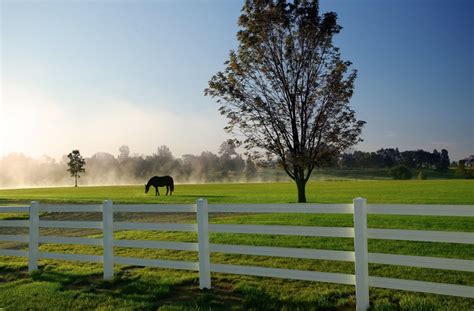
(108, 236)
(361, 254)
(203, 244)
(33, 237)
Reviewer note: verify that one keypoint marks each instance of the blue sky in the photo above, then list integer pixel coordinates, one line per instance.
(95, 75)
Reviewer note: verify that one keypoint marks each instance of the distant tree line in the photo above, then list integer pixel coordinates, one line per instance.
(104, 168)
(390, 157)
(225, 166)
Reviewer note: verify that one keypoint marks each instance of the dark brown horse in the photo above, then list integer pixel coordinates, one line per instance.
(160, 181)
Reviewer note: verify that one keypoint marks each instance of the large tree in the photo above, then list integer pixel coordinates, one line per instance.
(76, 164)
(286, 90)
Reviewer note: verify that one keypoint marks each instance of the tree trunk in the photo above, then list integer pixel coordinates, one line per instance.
(76, 180)
(301, 185)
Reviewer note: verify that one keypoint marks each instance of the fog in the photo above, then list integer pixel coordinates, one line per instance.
(35, 122)
(20, 171)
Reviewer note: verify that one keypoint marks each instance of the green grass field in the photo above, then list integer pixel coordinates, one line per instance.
(60, 285)
(386, 191)
(270, 175)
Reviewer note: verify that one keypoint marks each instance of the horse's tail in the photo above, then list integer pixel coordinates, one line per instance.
(172, 185)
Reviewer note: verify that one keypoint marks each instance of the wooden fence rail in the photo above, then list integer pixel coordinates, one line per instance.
(360, 233)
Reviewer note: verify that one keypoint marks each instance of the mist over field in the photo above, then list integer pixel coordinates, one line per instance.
(18, 170)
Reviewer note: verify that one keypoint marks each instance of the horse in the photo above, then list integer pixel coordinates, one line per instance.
(160, 181)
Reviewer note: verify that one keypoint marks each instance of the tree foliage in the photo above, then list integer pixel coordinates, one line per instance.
(400, 172)
(286, 90)
(462, 171)
(124, 153)
(76, 164)
(385, 158)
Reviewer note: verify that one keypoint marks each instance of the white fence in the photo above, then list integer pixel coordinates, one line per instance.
(361, 257)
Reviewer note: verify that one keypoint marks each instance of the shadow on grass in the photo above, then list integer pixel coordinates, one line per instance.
(9, 274)
(155, 289)
(150, 291)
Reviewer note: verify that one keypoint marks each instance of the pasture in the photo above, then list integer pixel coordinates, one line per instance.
(72, 285)
(343, 191)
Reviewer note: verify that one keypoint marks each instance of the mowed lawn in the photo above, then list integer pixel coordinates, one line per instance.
(61, 285)
(376, 191)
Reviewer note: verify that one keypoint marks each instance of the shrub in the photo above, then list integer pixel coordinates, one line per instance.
(422, 176)
(463, 172)
(400, 172)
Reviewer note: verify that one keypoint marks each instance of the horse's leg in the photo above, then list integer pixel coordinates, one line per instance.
(157, 192)
(167, 189)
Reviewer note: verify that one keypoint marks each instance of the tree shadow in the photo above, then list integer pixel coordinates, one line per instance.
(155, 290)
(9, 274)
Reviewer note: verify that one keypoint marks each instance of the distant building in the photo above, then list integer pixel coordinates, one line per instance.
(469, 161)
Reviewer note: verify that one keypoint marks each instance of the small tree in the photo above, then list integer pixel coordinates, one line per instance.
(76, 164)
(444, 161)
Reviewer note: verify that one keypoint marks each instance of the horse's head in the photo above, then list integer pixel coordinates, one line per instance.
(147, 187)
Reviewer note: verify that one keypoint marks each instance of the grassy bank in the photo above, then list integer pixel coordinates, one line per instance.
(60, 285)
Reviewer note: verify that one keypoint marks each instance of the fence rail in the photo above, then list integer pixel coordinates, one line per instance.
(421, 235)
(339, 278)
(14, 223)
(360, 233)
(421, 210)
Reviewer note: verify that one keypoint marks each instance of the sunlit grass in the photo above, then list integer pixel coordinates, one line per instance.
(64, 285)
(386, 191)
